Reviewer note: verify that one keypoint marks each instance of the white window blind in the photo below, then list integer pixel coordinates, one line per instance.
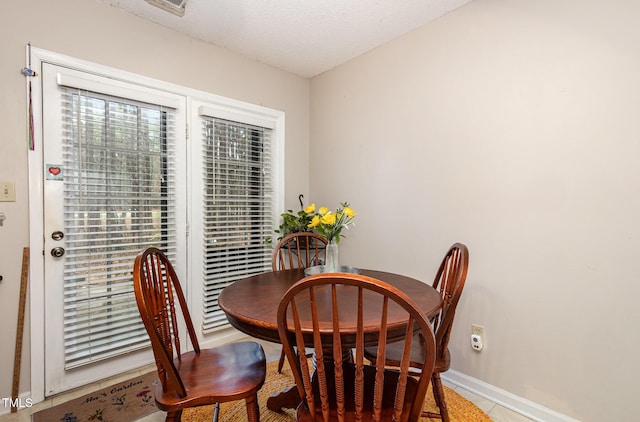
(238, 208)
(119, 189)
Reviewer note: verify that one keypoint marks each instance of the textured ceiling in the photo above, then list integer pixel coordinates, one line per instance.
(305, 37)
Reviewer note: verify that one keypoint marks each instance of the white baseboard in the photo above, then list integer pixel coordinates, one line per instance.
(505, 399)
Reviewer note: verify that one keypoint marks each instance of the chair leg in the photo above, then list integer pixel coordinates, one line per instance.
(281, 361)
(253, 410)
(216, 412)
(173, 416)
(438, 394)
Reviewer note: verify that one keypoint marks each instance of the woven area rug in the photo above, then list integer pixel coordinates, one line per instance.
(460, 409)
(121, 402)
(133, 399)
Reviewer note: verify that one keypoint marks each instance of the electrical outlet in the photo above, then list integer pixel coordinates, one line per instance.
(477, 337)
(477, 330)
(7, 192)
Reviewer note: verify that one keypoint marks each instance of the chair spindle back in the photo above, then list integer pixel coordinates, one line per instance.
(309, 314)
(157, 287)
(299, 250)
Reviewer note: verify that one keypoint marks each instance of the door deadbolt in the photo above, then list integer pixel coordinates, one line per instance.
(57, 235)
(57, 252)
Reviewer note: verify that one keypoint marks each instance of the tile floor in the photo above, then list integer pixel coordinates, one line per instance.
(272, 350)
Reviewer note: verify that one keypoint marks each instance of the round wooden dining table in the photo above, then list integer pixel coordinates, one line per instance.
(251, 306)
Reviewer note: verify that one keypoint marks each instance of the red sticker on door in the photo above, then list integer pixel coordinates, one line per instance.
(54, 172)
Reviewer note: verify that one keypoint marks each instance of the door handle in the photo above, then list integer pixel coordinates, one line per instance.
(57, 252)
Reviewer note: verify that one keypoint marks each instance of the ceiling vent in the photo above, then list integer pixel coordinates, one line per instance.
(172, 6)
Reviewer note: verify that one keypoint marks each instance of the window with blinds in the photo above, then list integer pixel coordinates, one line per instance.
(119, 190)
(238, 208)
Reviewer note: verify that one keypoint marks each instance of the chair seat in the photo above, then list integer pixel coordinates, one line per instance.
(240, 372)
(418, 350)
(388, 395)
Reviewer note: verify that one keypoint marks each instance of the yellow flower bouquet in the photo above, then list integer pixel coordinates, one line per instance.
(329, 224)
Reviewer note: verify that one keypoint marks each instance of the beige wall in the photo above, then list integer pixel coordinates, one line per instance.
(102, 34)
(511, 126)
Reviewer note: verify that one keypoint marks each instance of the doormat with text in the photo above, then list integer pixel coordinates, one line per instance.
(122, 402)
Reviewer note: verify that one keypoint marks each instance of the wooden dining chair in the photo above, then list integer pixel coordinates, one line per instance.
(298, 250)
(203, 376)
(449, 281)
(342, 387)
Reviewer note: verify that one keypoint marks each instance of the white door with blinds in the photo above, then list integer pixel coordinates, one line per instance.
(114, 183)
(234, 202)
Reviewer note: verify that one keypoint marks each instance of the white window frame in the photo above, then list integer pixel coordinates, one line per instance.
(224, 106)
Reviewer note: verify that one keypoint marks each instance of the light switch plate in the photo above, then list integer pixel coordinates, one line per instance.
(7, 192)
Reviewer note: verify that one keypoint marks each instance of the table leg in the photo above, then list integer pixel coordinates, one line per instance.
(289, 397)
(285, 399)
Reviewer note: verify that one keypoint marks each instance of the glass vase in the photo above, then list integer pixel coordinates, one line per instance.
(331, 263)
